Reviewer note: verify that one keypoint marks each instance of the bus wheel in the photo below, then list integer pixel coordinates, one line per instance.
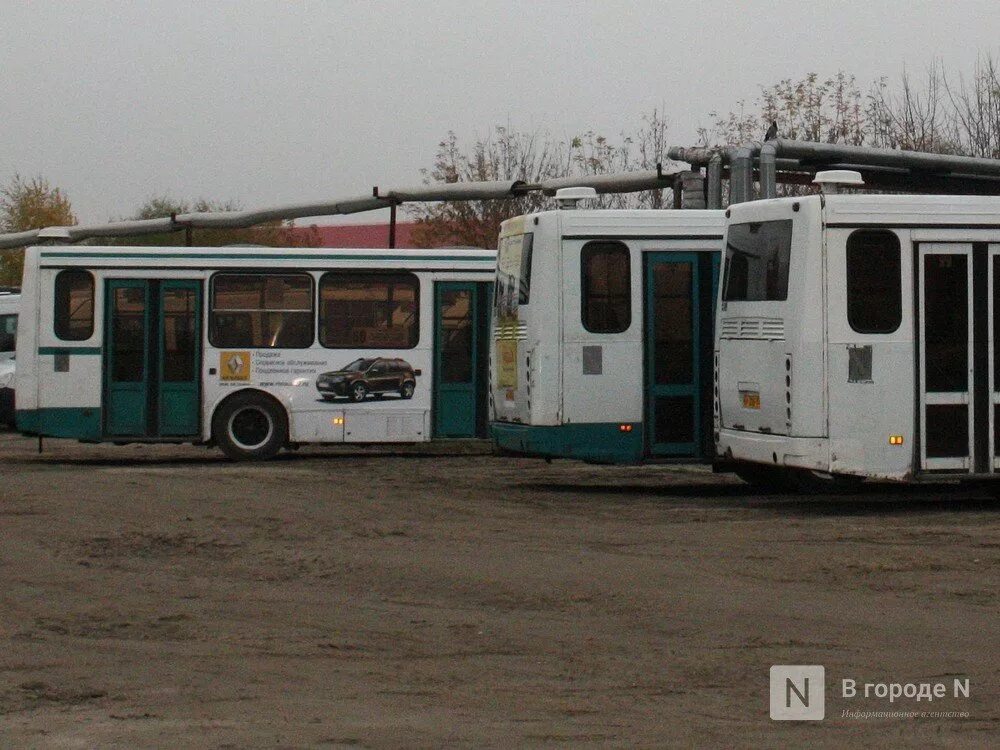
(406, 390)
(358, 391)
(250, 427)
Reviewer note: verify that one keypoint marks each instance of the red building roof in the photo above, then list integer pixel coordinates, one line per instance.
(357, 235)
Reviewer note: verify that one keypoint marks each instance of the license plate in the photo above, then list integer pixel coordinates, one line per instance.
(751, 399)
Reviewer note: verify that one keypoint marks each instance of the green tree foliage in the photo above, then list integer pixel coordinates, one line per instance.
(28, 204)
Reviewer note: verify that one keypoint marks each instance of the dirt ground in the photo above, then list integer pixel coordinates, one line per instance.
(161, 596)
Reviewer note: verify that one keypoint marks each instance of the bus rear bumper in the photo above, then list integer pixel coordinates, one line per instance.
(596, 442)
(735, 446)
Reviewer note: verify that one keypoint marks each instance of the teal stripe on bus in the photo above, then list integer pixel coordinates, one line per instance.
(600, 442)
(272, 256)
(62, 422)
(69, 350)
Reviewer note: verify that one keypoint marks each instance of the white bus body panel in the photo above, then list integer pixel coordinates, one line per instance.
(554, 391)
(838, 425)
(289, 375)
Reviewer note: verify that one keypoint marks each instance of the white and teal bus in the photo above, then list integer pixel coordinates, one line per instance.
(10, 301)
(859, 338)
(251, 348)
(603, 334)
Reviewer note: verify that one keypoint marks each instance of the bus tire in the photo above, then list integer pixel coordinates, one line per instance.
(250, 426)
(357, 392)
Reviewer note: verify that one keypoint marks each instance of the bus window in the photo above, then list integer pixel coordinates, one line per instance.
(513, 282)
(261, 311)
(606, 295)
(757, 257)
(74, 305)
(8, 332)
(874, 285)
(369, 310)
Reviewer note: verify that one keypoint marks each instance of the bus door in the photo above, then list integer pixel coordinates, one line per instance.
(679, 307)
(954, 424)
(461, 335)
(152, 384)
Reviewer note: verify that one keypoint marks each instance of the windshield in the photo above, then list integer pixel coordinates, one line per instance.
(358, 365)
(513, 274)
(757, 256)
(8, 330)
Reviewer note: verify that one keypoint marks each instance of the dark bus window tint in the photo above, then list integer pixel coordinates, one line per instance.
(457, 336)
(8, 332)
(606, 294)
(524, 288)
(757, 257)
(74, 305)
(946, 323)
(128, 323)
(180, 342)
(874, 282)
(262, 311)
(996, 345)
(369, 310)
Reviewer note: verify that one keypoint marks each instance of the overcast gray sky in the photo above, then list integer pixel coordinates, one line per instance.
(268, 102)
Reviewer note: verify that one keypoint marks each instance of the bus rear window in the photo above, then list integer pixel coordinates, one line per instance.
(757, 256)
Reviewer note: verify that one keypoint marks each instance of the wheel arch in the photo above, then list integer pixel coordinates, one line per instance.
(283, 408)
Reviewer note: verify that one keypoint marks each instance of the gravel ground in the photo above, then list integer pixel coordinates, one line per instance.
(438, 595)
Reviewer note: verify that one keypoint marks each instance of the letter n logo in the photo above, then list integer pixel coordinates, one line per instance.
(797, 692)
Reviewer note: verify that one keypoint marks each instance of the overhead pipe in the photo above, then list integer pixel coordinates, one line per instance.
(768, 170)
(808, 151)
(741, 174)
(624, 182)
(714, 174)
(492, 190)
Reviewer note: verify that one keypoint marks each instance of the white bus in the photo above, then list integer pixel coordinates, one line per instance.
(9, 302)
(858, 338)
(603, 334)
(253, 348)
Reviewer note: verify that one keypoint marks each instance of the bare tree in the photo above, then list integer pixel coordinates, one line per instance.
(976, 106)
(912, 118)
(504, 155)
(507, 154)
(827, 111)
